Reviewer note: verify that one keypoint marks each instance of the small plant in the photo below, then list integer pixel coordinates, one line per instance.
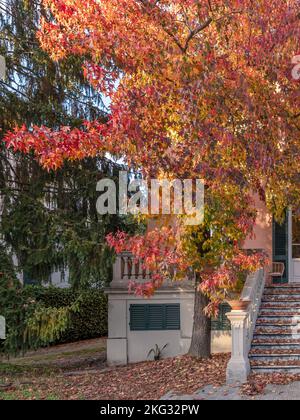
(157, 352)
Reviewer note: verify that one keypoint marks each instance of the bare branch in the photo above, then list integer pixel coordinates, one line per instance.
(196, 31)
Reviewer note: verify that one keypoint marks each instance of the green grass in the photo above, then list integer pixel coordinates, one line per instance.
(25, 394)
(8, 396)
(12, 369)
(26, 373)
(57, 356)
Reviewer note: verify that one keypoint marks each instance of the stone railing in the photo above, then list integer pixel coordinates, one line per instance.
(127, 268)
(242, 328)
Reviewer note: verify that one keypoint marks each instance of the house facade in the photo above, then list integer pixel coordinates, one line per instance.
(137, 325)
(58, 279)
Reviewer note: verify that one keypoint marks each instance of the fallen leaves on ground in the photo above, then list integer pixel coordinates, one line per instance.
(146, 380)
(271, 352)
(275, 363)
(257, 383)
(274, 331)
(275, 341)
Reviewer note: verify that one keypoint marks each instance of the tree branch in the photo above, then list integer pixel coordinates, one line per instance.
(196, 31)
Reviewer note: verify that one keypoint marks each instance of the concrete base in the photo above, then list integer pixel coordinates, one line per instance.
(121, 351)
(238, 371)
(117, 351)
(126, 346)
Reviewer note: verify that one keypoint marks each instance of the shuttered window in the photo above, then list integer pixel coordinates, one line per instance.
(29, 281)
(155, 317)
(222, 323)
(280, 247)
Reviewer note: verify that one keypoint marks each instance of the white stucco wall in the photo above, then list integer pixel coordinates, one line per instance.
(59, 279)
(125, 346)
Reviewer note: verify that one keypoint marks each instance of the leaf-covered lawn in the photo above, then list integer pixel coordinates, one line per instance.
(257, 383)
(147, 380)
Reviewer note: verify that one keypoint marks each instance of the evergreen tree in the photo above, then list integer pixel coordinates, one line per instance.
(49, 219)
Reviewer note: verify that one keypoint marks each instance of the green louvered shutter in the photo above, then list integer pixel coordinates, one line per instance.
(138, 317)
(222, 323)
(156, 320)
(155, 317)
(172, 317)
(280, 247)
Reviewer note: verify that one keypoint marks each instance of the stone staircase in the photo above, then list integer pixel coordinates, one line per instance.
(276, 342)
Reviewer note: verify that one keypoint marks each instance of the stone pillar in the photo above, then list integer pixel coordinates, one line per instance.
(117, 329)
(117, 272)
(238, 368)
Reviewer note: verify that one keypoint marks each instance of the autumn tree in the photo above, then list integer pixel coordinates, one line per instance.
(198, 89)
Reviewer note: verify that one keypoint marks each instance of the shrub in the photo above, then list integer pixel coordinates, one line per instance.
(30, 324)
(37, 316)
(89, 321)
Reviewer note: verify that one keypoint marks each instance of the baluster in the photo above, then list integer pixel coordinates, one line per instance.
(140, 270)
(126, 269)
(117, 270)
(133, 275)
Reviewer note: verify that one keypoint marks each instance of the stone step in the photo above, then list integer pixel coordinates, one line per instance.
(271, 347)
(278, 314)
(273, 363)
(279, 307)
(289, 329)
(288, 370)
(274, 352)
(276, 335)
(275, 322)
(279, 359)
(282, 291)
(286, 300)
(284, 286)
(285, 295)
(285, 341)
(294, 305)
(276, 342)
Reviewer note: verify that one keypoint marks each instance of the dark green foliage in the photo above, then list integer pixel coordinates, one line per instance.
(38, 90)
(38, 316)
(90, 321)
(49, 219)
(30, 324)
(14, 307)
(157, 352)
(67, 234)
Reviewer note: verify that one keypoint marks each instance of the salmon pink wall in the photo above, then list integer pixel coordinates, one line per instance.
(263, 230)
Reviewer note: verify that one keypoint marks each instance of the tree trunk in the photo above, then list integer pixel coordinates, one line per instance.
(201, 338)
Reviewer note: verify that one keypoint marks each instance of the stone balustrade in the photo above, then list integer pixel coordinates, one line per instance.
(127, 268)
(242, 328)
